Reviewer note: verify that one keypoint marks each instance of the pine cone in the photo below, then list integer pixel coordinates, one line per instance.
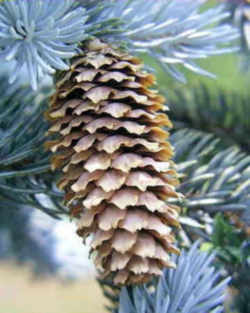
(116, 162)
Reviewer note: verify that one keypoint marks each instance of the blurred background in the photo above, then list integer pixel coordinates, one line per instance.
(44, 267)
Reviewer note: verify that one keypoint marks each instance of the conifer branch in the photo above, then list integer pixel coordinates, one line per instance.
(192, 287)
(41, 35)
(216, 112)
(214, 179)
(174, 34)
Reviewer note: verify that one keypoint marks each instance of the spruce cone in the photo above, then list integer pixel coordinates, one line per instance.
(116, 162)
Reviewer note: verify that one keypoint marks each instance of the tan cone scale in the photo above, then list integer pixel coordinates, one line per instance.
(115, 157)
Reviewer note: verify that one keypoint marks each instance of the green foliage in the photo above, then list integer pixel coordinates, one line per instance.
(242, 301)
(213, 111)
(233, 255)
(24, 164)
(227, 241)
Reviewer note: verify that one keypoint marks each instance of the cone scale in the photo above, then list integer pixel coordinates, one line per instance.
(113, 151)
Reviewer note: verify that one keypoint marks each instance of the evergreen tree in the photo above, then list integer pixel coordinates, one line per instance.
(110, 163)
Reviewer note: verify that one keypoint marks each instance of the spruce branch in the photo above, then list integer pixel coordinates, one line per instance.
(98, 23)
(216, 168)
(24, 164)
(22, 130)
(240, 17)
(37, 192)
(192, 287)
(39, 35)
(174, 34)
(212, 111)
(214, 179)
